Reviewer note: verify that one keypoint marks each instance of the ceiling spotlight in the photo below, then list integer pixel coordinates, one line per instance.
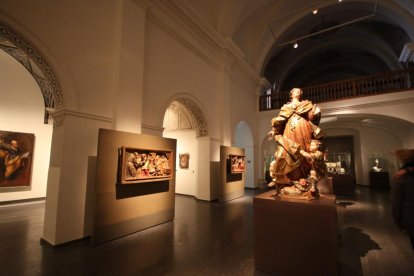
(315, 11)
(295, 45)
(339, 1)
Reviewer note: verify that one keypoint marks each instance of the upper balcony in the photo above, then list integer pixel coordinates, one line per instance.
(389, 82)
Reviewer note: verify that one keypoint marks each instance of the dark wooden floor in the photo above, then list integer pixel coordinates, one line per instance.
(204, 239)
(370, 242)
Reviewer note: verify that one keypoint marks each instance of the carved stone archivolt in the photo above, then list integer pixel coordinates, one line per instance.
(32, 60)
(195, 115)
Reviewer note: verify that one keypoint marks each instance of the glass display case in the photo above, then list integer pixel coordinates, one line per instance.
(377, 163)
(378, 172)
(338, 162)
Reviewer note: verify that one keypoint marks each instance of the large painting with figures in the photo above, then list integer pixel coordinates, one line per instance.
(143, 165)
(16, 155)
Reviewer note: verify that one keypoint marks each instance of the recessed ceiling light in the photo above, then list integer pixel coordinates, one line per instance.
(315, 11)
(295, 45)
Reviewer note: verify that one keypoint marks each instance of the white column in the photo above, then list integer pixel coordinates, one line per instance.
(129, 73)
(74, 140)
(208, 168)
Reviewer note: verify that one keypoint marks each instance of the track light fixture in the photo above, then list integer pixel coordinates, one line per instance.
(315, 11)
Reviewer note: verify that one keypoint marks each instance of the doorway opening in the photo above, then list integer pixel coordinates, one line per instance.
(185, 122)
(22, 111)
(243, 138)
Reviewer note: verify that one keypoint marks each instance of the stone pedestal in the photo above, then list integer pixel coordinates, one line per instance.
(343, 184)
(379, 180)
(295, 237)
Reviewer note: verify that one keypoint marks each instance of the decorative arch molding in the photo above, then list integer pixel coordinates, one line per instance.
(195, 115)
(19, 48)
(193, 112)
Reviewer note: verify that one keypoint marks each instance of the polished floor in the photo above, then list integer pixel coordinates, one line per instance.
(204, 239)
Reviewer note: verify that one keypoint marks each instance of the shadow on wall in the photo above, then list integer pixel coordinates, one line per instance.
(140, 189)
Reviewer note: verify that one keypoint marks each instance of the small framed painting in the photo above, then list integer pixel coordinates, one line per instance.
(184, 160)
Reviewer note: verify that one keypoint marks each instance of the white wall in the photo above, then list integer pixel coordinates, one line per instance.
(80, 39)
(176, 70)
(22, 110)
(378, 142)
(185, 179)
(369, 141)
(244, 109)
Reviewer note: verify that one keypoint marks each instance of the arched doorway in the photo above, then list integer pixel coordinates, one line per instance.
(243, 138)
(33, 110)
(177, 125)
(22, 114)
(185, 122)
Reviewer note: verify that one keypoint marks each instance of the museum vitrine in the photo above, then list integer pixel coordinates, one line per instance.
(338, 162)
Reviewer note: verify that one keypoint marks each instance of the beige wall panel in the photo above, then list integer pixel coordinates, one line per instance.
(124, 209)
(230, 189)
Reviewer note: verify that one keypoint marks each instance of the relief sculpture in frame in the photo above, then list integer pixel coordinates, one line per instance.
(236, 163)
(144, 165)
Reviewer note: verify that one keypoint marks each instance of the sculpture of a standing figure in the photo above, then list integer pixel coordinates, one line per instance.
(293, 129)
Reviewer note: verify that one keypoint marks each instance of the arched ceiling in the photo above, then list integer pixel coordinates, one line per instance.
(261, 28)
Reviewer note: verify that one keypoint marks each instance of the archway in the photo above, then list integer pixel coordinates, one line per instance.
(34, 113)
(25, 74)
(22, 115)
(243, 138)
(185, 122)
(375, 136)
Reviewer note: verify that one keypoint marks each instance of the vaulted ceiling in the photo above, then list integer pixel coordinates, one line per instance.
(364, 36)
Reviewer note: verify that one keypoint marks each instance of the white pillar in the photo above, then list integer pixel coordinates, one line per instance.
(74, 140)
(208, 168)
(129, 72)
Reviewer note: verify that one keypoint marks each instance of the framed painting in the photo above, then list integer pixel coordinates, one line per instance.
(184, 160)
(144, 165)
(236, 164)
(16, 157)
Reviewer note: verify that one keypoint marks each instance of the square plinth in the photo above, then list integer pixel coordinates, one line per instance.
(295, 236)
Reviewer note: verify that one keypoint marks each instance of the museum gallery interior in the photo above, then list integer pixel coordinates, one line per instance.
(204, 137)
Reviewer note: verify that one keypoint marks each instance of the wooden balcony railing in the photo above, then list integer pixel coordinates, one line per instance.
(340, 90)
